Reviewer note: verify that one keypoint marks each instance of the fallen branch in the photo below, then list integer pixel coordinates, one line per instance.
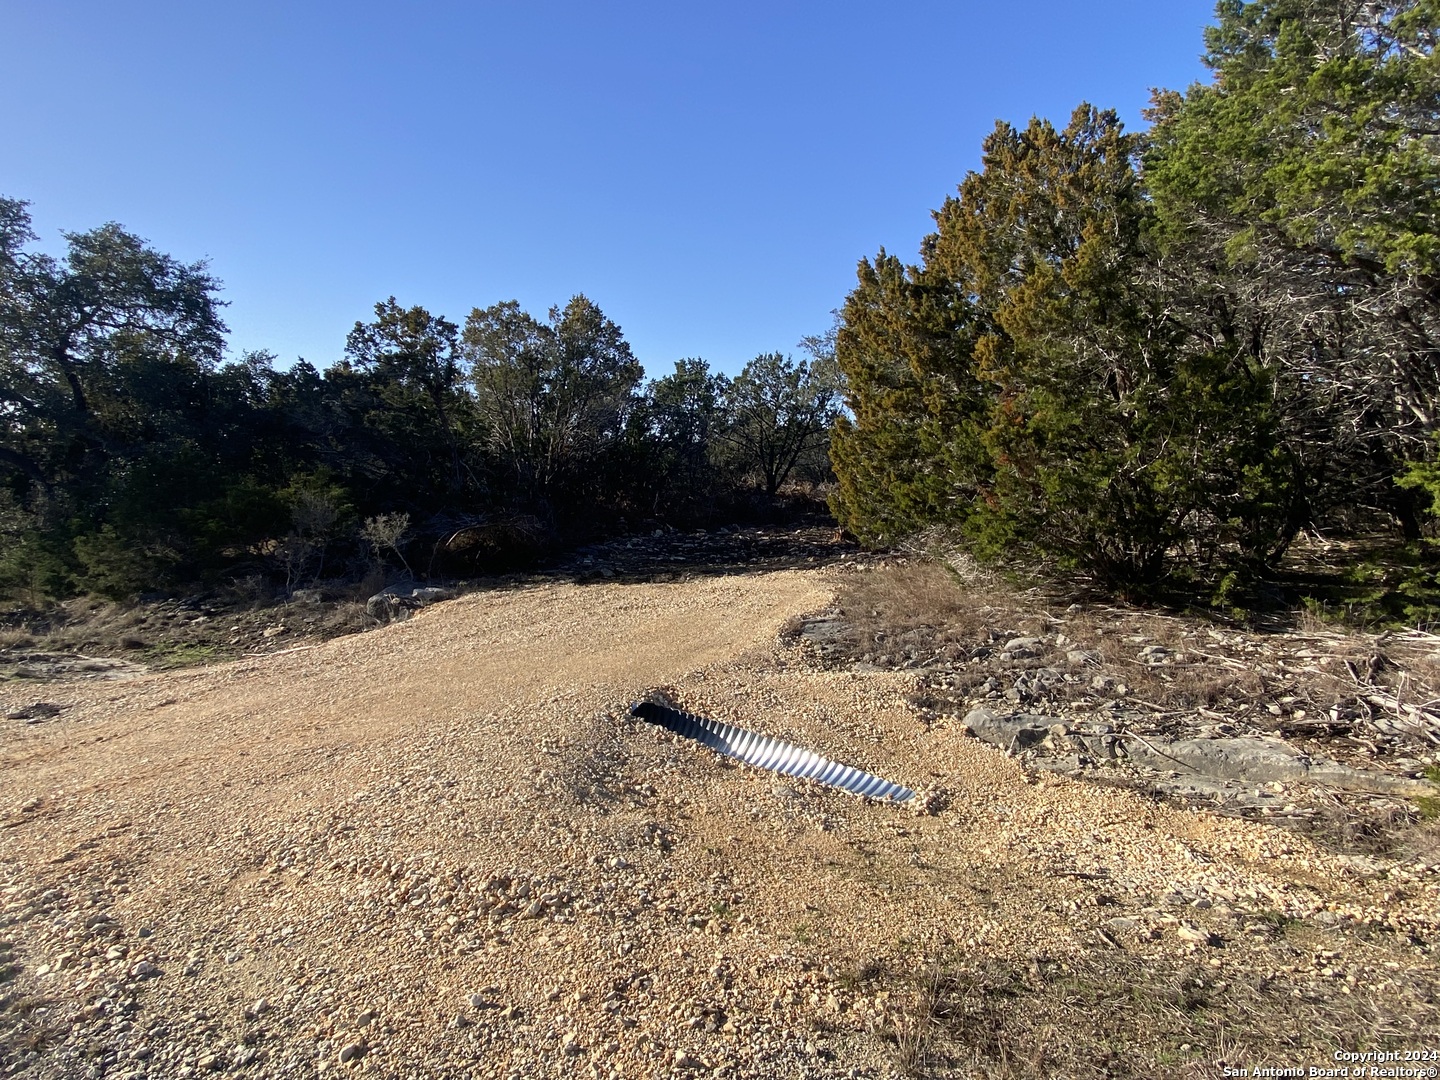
(1421, 722)
(282, 652)
(1147, 742)
(1215, 658)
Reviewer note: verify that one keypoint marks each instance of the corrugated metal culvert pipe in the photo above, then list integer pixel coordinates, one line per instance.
(773, 754)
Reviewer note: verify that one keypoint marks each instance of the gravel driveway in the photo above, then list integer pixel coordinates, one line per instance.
(441, 849)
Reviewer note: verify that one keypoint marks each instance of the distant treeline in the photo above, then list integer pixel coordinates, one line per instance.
(1145, 361)
(1155, 358)
(133, 458)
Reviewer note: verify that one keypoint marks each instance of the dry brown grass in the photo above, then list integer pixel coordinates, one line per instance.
(919, 607)
(345, 617)
(914, 1031)
(171, 634)
(1114, 1014)
(920, 611)
(15, 639)
(252, 590)
(912, 613)
(25, 1027)
(1313, 689)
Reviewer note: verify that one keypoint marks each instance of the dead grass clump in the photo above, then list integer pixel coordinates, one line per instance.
(345, 618)
(15, 639)
(914, 1032)
(253, 590)
(1370, 826)
(25, 1028)
(79, 625)
(920, 605)
(1422, 843)
(1424, 665)
(913, 593)
(373, 581)
(1187, 686)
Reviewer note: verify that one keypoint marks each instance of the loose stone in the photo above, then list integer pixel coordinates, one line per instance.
(352, 1052)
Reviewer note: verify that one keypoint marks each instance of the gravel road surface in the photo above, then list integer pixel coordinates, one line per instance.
(442, 849)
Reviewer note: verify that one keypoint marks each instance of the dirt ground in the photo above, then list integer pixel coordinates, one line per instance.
(442, 849)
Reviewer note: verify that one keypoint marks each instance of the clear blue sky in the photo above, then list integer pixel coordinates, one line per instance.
(708, 174)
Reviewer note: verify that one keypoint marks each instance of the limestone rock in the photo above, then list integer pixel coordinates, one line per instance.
(1017, 731)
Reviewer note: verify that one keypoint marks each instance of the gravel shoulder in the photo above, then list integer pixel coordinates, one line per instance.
(441, 848)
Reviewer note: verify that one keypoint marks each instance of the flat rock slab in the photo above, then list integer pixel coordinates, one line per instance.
(1011, 731)
(48, 665)
(1255, 759)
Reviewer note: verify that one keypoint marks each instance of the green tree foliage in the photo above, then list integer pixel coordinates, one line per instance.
(1030, 384)
(105, 366)
(1131, 371)
(674, 435)
(412, 371)
(1318, 135)
(778, 412)
(906, 449)
(552, 399)
(685, 411)
(107, 350)
(1300, 188)
(133, 458)
(1115, 442)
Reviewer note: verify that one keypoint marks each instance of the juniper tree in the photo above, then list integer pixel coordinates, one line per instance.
(906, 451)
(1300, 188)
(411, 364)
(1029, 383)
